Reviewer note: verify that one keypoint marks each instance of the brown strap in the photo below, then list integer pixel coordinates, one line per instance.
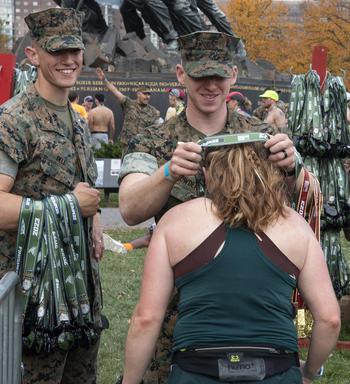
(203, 254)
(272, 252)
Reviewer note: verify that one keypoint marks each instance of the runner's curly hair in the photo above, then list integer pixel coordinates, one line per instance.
(245, 187)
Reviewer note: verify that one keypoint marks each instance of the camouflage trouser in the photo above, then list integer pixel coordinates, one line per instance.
(159, 369)
(75, 367)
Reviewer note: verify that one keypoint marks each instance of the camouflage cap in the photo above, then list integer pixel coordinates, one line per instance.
(206, 53)
(144, 89)
(56, 29)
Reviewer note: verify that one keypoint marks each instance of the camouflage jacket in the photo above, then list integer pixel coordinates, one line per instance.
(136, 119)
(51, 159)
(149, 151)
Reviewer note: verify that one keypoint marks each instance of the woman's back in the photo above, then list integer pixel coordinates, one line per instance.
(194, 221)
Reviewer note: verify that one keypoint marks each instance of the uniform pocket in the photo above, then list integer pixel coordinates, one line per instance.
(59, 166)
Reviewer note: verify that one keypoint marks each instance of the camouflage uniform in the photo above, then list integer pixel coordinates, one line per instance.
(137, 117)
(52, 158)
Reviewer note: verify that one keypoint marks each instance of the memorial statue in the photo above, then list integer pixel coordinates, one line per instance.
(134, 51)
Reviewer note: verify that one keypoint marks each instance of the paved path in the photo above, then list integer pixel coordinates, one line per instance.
(111, 219)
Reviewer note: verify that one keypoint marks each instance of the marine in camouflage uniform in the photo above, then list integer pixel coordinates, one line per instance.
(138, 114)
(137, 117)
(150, 151)
(50, 146)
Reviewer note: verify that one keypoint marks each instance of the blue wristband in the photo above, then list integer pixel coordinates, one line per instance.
(167, 174)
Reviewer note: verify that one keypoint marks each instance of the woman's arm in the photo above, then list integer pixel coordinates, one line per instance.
(157, 286)
(317, 291)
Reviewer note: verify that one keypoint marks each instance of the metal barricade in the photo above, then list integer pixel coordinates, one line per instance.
(10, 329)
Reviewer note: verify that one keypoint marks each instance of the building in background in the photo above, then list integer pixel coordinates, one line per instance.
(7, 18)
(22, 8)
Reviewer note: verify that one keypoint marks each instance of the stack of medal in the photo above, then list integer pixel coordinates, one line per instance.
(51, 261)
(318, 125)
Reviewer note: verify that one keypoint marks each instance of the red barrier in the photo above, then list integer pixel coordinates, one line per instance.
(7, 65)
(319, 62)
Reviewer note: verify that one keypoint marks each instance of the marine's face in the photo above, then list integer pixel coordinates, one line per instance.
(60, 69)
(206, 94)
(143, 97)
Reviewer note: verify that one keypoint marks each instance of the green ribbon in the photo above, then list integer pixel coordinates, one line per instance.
(51, 253)
(320, 132)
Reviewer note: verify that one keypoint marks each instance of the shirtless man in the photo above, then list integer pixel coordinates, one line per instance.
(275, 116)
(101, 122)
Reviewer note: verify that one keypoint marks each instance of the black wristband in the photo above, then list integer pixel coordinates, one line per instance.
(99, 210)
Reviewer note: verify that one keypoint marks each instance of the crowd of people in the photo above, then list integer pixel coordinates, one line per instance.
(215, 303)
(139, 113)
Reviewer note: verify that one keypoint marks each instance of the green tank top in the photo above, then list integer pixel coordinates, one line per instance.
(239, 298)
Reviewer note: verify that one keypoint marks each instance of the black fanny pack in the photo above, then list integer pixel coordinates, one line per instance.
(232, 364)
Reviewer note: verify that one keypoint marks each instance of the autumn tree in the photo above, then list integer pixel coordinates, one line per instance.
(267, 33)
(327, 23)
(262, 26)
(3, 40)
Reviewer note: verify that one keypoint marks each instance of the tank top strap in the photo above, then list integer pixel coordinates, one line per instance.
(203, 254)
(275, 255)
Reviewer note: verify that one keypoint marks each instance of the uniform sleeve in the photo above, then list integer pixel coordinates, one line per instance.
(7, 165)
(139, 157)
(125, 103)
(12, 137)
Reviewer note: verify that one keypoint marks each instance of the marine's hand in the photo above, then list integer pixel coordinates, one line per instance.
(185, 160)
(88, 199)
(100, 74)
(97, 237)
(282, 151)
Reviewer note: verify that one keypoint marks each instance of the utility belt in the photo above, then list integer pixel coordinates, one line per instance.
(234, 363)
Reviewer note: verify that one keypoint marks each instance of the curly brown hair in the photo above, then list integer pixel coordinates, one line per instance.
(245, 187)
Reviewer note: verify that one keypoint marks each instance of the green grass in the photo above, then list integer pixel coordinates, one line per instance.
(113, 201)
(121, 276)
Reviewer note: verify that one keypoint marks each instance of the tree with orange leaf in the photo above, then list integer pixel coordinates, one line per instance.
(267, 33)
(3, 40)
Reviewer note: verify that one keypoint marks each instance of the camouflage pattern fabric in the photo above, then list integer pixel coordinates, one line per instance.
(80, 364)
(208, 53)
(157, 145)
(51, 160)
(56, 29)
(136, 118)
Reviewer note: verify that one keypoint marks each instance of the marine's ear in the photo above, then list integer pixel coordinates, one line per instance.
(180, 74)
(32, 55)
(234, 75)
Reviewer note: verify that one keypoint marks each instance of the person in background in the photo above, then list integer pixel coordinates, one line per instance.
(88, 103)
(176, 103)
(138, 114)
(74, 99)
(274, 115)
(45, 150)
(236, 101)
(235, 262)
(101, 122)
